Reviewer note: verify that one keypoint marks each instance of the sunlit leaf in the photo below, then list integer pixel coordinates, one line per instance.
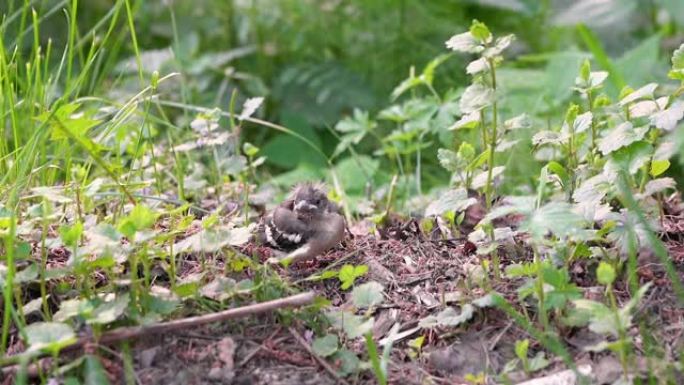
(464, 42)
(667, 120)
(452, 200)
(476, 97)
(250, 107)
(50, 336)
(642, 93)
(621, 136)
(325, 346)
(368, 295)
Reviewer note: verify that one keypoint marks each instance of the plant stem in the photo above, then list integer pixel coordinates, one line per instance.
(492, 139)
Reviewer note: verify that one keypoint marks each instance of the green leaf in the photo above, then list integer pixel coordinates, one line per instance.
(368, 295)
(632, 157)
(538, 362)
(465, 43)
(49, 336)
(110, 311)
(453, 200)
(249, 149)
(521, 348)
(348, 274)
(677, 64)
(354, 172)
(448, 317)
(658, 167)
(559, 170)
(605, 273)
(140, 218)
(621, 136)
(658, 185)
(585, 70)
(476, 97)
(667, 119)
(325, 346)
(71, 234)
(354, 129)
(428, 74)
(480, 31)
(555, 217)
(349, 363)
(645, 92)
(66, 118)
(93, 371)
(353, 325)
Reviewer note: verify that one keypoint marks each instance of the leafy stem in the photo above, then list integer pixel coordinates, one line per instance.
(492, 138)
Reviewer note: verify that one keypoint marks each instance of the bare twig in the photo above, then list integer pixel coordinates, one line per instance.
(318, 359)
(137, 331)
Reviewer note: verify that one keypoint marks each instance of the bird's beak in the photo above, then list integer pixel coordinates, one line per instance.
(304, 206)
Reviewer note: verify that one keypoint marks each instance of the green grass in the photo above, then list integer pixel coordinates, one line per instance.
(92, 154)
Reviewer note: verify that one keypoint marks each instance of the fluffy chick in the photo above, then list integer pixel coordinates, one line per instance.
(307, 223)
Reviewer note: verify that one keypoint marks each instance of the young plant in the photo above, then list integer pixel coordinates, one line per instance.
(479, 102)
(611, 320)
(366, 296)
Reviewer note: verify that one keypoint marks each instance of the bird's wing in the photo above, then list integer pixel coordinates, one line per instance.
(287, 221)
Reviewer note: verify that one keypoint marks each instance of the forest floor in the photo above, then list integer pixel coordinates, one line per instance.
(421, 273)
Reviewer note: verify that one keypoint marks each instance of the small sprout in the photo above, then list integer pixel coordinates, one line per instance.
(605, 273)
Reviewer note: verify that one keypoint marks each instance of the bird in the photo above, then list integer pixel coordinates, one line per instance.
(306, 224)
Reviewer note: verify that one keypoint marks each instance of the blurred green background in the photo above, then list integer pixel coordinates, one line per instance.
(315, 61)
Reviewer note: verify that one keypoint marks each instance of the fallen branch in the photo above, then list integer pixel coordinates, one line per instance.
(126, 333)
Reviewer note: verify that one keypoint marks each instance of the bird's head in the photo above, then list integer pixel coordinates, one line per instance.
(309, 199)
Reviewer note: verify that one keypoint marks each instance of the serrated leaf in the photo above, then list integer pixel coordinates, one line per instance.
(480, 31)
(428, 74)
(368, 295)
(250, 106)
(538, 362)
(448, 159)
(499, 46)
(582, 122)
(549, 137)
(325, 346)
(470, 120)
(349, 363)
(480, 180)
(50, 336)
(220, 289)
(643, 92)
(555, 217)
(477, 66)
(110, 311)
(353, 325)
(621, 136)
(659, 185)
(476, 97)
(522, 121)
(453, 200)
(667, 120)
(348, 274)
(449, 317)
(632, 157)
(464, 42)
(593, 189)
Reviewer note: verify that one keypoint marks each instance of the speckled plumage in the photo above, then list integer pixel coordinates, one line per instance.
(307, 222)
